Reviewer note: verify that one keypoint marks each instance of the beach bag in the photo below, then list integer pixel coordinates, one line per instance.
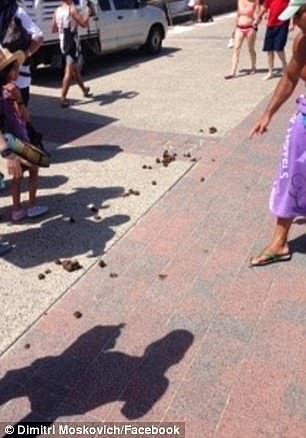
(26, 152)
(69, 43)
(69, 38)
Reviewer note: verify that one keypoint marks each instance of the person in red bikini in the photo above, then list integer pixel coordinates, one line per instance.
(247, 12)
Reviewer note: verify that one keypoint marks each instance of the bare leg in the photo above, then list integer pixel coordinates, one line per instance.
(278, 245)
(16, 190)
(251, 46)
(282, 57)
(198, 10)
(204, 12)
(270, 66)
(33, 184)
(67, 81)
(200, 13)
(239, 37)
(78, 78)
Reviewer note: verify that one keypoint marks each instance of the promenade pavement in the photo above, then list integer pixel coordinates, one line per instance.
(141, 106)
(175, 327)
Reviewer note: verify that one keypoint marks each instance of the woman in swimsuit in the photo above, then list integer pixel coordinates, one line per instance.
(247, 12)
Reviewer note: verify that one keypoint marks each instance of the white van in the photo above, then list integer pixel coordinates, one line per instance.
(116, 25)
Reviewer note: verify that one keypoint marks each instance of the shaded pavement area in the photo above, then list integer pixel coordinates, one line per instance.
(184, 331)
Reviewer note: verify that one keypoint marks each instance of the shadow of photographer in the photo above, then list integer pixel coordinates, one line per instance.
(89, 374)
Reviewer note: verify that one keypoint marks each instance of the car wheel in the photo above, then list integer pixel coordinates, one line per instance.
(154, 40)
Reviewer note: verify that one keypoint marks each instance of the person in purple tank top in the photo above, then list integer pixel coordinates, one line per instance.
(288, 196)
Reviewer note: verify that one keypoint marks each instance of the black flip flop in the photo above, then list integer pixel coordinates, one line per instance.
(268, 259)
(87, 92)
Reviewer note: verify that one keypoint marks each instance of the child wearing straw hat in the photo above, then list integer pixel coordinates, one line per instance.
(14, 117)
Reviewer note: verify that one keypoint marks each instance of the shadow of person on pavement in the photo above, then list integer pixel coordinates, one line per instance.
(45, 182)
(58, 236)
(111, 97)
(99, 376)
(96, 153)
(64, 126)
(299, 243)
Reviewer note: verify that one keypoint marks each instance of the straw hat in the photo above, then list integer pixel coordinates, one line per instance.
(7, 57)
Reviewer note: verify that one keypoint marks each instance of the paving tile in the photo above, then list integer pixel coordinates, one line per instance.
(246, 298)
(290, 427)
(194, 427)
(294, 402)
(206, 404)
(255, 401)
(279, 343)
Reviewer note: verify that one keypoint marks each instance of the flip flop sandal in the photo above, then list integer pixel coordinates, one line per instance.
(87, 92)
(267, 259)
(229, 77)
(65, 104)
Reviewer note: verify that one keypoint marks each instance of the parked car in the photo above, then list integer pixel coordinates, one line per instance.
(116, 25)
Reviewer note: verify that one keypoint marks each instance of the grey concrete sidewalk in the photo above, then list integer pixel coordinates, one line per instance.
(182, 90)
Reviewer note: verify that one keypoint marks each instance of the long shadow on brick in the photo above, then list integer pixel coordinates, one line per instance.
(98, 375)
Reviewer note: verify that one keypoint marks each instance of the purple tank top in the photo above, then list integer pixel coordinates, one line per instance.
(12, 122)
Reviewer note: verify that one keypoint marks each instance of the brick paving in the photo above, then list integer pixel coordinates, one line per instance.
(186, 331)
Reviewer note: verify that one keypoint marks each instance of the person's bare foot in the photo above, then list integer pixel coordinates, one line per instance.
(86, 92)
(268, 76)
(271, 254)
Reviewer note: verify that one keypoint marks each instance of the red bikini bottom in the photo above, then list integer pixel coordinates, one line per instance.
(245, 30)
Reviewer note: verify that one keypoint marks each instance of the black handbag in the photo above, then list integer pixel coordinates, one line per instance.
(69, 44)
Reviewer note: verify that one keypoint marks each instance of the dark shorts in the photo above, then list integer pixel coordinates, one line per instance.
(25, 95)
(276, 38)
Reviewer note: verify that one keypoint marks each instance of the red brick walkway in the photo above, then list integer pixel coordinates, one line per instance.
(186, 331)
